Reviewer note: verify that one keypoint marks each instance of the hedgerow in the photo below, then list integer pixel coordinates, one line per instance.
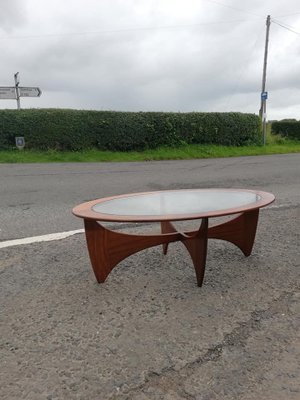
(62, 129)
(290, 129)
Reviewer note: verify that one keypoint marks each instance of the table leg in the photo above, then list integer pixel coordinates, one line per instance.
(107, 248)
(240, 231)
(195, 243)
(167, 227)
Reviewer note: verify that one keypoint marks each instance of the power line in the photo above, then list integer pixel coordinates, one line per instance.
(234, 8)
(243, 69)
(285, 27)
(287, 15)
(122, 30)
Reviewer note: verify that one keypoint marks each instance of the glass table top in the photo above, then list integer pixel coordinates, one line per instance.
(176, 202)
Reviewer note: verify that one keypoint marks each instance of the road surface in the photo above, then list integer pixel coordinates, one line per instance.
(148, 332)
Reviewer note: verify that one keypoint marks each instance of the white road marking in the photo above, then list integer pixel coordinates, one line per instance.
(274, 207)
(43, 238)
(62, 235)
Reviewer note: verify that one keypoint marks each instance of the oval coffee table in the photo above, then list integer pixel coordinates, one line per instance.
(107, 248)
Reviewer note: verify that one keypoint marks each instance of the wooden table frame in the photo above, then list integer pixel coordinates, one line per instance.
(107, 248)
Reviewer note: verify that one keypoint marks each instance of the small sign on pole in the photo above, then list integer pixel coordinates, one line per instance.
(20, 142)
(264, 95)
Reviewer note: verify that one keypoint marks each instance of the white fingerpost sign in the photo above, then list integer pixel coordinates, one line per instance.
(7, 92)
(15, 92)
(29, 91)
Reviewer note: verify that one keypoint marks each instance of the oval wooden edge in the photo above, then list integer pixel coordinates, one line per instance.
(84, 210)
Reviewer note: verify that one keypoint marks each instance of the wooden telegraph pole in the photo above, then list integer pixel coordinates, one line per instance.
(264, 94)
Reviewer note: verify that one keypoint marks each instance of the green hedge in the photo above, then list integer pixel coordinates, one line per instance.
(123, 131)
(290, 129)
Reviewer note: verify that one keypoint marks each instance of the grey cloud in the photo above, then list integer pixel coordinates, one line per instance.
(206, 67)
(12, 15)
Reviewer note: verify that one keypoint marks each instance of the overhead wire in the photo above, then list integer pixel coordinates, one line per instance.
(121, 30)
(140, 28)
(284, 26)
(284, 23)
(233, 8)
(243, 70)
(287, 15)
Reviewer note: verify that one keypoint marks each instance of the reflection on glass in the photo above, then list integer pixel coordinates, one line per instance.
(176, 202)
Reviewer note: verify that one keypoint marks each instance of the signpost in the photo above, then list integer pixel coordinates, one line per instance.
(29, 91)
(15, 92)
(17, 81)
(7, 92)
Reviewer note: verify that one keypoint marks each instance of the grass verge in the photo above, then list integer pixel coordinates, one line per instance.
(184, 152)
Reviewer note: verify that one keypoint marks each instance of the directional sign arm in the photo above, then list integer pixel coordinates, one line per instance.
(7, 92)
(29, 91)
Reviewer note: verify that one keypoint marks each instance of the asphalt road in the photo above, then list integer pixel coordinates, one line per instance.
(148, 332)
(37, 199)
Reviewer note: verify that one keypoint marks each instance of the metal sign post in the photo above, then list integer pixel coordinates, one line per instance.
(15, 92)
(17, 81)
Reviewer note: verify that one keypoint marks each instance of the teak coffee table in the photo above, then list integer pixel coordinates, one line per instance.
(107, 248)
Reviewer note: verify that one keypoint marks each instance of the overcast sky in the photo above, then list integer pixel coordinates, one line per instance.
(152, 55)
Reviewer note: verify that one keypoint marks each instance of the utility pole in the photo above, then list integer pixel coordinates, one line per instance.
(17, 81)
(264, 95)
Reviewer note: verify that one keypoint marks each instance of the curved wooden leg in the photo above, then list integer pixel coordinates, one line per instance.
(197, 247)
(240, 231)
(107, 248)
(96, 238)
(167, 227)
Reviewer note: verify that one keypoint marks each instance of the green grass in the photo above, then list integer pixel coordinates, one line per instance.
(275, 145)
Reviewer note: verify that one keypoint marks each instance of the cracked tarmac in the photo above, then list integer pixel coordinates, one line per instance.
(149, 332)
